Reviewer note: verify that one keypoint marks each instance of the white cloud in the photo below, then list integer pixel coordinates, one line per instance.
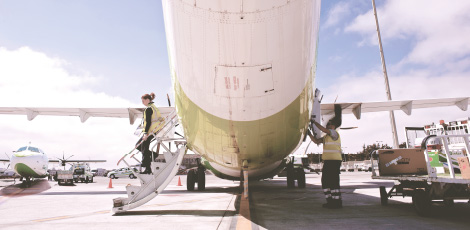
(32, 79)
(338, 13)
(440, 29)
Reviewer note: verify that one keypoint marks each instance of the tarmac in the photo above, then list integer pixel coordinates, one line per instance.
(46, 205)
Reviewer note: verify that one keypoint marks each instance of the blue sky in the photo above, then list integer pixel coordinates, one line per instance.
(110, 52)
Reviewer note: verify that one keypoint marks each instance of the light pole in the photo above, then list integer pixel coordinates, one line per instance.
(387, 85)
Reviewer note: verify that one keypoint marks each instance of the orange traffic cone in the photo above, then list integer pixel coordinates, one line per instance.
(110, 183)
(179, 181)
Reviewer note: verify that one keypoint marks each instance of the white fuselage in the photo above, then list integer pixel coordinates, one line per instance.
(243, 73)
(30, 164)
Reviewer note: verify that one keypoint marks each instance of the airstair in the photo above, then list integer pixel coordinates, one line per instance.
(162, 172)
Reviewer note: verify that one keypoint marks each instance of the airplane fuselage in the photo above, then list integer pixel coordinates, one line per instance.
(30, 162)
(243, 74)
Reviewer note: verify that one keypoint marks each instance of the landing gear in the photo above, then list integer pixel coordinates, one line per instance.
(26, 182)
(290, 176)
(196, 175)
(300, 174)
(191, 180)
(201, 179)
(295, 174)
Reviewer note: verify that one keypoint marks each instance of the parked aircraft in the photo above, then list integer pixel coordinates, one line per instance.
(244, 82)
(31, 162)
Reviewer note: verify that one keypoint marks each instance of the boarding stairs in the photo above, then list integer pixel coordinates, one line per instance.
(162, 172)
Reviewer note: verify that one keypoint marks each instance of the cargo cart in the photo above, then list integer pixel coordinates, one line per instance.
(425, 185)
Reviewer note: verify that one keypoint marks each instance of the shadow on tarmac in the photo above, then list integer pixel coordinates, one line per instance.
(274, 206)
(15, 190)
(178, 212)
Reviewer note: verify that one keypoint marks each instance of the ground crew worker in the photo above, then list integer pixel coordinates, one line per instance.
(331, 160)
(151, 123)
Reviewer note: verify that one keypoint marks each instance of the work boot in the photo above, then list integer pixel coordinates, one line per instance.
(336, 204)
(328, 204)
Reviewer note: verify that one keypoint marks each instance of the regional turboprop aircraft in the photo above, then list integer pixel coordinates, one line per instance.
(31, 162)
(244, 73)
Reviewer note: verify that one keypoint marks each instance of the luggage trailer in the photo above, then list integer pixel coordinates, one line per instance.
(424, 189)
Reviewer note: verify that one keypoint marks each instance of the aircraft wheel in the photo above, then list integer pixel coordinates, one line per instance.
(91, 180)
(86, 180)
(201, 179)
(422, 202)
(21, 178)
(301, 178)
(383, 196)
(75, 180)
(290, 176)
(190, 180)
(132, 176)
(112, 176)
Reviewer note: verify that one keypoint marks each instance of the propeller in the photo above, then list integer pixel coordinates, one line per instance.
(168, 97)
(63, 161)
(8, 159)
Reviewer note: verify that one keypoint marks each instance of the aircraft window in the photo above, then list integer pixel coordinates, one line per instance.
(21, 149)
(33, 149)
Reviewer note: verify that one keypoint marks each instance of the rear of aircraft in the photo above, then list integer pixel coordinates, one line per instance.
(243, 73)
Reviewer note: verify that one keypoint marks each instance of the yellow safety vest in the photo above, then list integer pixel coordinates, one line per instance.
(157, 119)
(331, 148)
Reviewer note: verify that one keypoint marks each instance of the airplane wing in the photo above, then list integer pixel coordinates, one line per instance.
(406, 106)
(83, 113)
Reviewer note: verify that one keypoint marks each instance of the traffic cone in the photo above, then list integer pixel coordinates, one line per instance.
(179, 181)
(110, 183)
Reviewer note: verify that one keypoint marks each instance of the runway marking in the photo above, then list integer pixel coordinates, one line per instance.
(53, 218)
(244, 219)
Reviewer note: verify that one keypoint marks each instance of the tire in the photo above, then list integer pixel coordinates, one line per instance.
(191, 180)
(290, 176)
(300, 178)
(75, 180)
(449, 202)
(422, 202)
(383, 196)
(201, 179)
(132, 176)
(112, 176)
(86, 180)
(91, 180)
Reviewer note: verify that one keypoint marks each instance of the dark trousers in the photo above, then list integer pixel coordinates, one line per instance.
(146, 153)
(330, 179)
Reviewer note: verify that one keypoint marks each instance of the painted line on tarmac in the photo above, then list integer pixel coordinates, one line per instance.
(53, 218)
(244, 218)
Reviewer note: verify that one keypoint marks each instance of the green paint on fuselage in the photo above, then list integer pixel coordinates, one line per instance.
(261, 142)
(26, 171)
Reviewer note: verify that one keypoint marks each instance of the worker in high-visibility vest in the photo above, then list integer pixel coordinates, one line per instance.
(331, 160)
(151, 123)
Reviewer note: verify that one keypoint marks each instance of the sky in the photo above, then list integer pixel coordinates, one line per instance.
(108, 53)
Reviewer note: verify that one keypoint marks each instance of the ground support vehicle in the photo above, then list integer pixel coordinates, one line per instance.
(65, 177)
(122, 172)
(82, 173)
(425, 189)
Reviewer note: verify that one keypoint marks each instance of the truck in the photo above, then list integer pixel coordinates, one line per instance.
(64, 177)
(82, 172)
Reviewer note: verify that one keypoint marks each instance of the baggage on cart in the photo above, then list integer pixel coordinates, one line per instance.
(416, 178)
